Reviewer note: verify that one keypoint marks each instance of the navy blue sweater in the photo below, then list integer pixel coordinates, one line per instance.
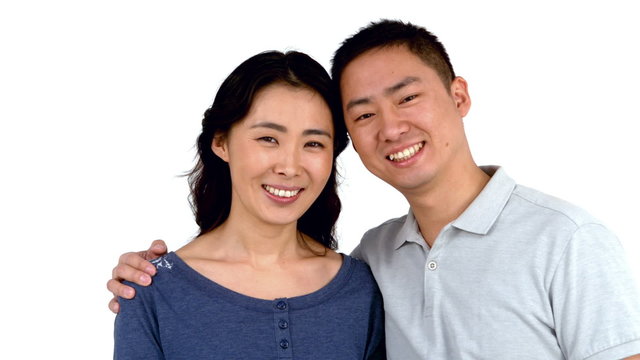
(184, 315)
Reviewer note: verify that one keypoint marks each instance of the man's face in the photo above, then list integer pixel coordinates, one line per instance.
(404, 124)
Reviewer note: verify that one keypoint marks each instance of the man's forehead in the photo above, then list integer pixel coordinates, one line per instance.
(384, 54)
(390, 90)
(372, 64)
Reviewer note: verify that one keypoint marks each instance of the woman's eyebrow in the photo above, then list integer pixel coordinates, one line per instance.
(283, 129)
(317, 132)
(270, 125)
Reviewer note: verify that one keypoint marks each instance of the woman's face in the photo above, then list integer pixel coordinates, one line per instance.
(280, 155)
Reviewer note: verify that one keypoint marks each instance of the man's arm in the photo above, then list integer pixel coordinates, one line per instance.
(134, 267)
(596, 305)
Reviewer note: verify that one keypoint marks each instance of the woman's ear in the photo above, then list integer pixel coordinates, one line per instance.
(219, 146)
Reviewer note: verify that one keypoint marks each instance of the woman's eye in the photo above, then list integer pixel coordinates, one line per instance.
(315, 144)
(268, 139)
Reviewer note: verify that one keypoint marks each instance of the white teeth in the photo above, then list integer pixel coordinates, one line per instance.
(280, 192)
(406, 153)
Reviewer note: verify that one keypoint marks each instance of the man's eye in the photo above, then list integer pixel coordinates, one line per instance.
(364, 116)
(408, 98)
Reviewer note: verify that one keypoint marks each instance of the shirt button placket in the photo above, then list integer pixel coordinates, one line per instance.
(281, 328)
(430, 287)
(433, 273)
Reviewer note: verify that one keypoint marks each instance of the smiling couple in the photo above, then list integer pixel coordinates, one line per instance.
(480, 267)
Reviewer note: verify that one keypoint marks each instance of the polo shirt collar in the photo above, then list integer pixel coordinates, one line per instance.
(483, 212)
(478, 218)
(409, 232)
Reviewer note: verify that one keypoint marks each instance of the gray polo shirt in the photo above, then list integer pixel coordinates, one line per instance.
(519, 275)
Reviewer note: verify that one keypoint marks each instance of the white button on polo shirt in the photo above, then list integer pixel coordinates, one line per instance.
(432, 265)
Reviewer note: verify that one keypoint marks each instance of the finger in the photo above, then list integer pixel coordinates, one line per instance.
(119, 289)
(157, 249)
(114, 306)
(129, 273)
(134, 261)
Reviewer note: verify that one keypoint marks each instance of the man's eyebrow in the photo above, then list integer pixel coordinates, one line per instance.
(270, 125)
(356, 102)
(403, 83)
(388, 91)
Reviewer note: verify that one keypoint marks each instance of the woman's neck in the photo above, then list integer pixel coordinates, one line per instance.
(240, 240)
(261, 262)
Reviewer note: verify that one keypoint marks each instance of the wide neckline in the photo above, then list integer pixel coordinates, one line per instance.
(297, 302)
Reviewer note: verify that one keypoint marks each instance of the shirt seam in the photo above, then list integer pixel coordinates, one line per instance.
(570, 218)
(565, 249)
(609, 347)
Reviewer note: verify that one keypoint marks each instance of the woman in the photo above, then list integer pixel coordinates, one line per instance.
(262, 279)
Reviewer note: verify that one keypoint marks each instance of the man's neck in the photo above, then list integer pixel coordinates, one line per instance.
(445, 200)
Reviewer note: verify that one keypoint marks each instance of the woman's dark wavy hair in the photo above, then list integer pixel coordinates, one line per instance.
(210, 179)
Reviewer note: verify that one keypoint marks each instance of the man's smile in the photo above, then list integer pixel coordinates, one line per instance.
(407, 153)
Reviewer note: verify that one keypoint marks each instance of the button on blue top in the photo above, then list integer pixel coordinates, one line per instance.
(284, 344)
(283, 324)
(281, 305)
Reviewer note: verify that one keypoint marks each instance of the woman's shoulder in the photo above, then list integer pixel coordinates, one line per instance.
(359, 268)
(358, 281)
(166, 269)
(164, 263)
(356, 263)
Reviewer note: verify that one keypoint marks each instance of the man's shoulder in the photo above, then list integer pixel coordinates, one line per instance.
(379, 239)
(389, 227)
(537, 203)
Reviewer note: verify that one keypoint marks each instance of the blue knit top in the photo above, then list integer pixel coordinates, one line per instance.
(184, 315)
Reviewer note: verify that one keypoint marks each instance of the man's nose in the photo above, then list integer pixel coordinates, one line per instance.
(392, 124)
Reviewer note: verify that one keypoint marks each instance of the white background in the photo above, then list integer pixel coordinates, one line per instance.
(100, 105)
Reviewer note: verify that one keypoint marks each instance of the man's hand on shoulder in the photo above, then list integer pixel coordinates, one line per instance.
(134, 267)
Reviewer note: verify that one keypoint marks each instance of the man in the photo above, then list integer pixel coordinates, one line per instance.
(480, 267)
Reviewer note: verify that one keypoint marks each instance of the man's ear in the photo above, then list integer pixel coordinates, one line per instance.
(460, 95)
(219, 146)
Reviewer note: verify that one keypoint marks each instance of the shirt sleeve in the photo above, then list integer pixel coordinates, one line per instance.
(376, 349)
(136, 333)
(594, 298)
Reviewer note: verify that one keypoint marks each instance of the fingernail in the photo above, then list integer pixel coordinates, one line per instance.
(150, 269)
(145, 279)
(128, 293)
